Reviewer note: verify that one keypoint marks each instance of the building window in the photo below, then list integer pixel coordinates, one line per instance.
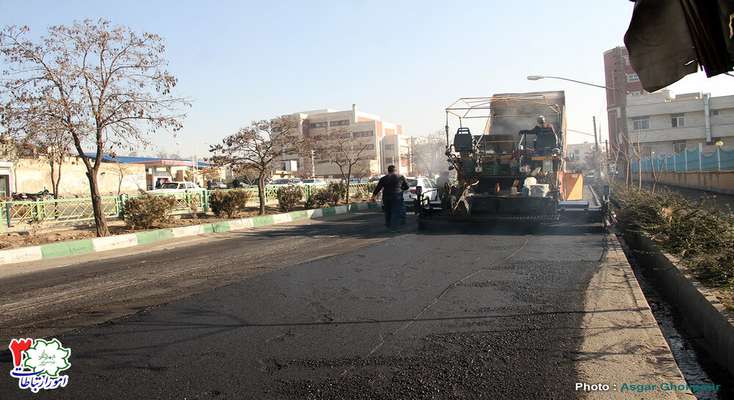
(388, 160)
(389, 147)
(342, 122)
(640, 123)
(359, 134)
(679, 146)
(369, 147)
(714, 112)
(677, 121)
(635, 93)
(318, 125)
(633, 77)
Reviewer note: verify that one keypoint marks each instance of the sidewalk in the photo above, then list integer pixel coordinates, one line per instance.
(624, 349)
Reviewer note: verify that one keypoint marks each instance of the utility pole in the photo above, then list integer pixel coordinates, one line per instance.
(596, 139)
(313, 164)
(597, 161)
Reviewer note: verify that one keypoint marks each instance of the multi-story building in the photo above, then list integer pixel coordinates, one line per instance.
(397, 150)
(580, 153)
(621, 81)
(383, 143)
(664, 123)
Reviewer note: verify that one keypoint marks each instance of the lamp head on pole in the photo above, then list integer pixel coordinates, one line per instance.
(535, 77)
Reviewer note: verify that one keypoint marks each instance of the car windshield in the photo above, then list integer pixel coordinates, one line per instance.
(412, 182)
(281, 182)
(169, 186)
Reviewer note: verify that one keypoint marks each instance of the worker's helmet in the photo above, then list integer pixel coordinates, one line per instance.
(541, 120)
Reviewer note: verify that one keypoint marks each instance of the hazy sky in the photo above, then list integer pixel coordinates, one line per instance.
(404, 60)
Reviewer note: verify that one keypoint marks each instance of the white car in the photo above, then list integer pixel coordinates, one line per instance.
(429, 190)
(285, 182)
(176, 187)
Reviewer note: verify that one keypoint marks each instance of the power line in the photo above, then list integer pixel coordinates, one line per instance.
(581, 132)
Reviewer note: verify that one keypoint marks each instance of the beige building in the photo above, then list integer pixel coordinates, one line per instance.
(384, 142)
(31, 175)
(664, 123)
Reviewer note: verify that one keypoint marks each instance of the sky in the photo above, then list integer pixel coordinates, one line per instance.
(240, 61)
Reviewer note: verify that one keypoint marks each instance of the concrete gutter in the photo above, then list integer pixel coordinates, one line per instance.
(702, 313)
(86, 246)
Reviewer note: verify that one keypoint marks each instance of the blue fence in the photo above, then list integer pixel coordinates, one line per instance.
(687, 161)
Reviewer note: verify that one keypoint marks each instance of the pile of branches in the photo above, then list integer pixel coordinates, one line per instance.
(699, 233)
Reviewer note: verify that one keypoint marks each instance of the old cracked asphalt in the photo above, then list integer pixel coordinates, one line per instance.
(335, 309)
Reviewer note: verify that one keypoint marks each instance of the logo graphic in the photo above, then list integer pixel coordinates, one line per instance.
(37, 363)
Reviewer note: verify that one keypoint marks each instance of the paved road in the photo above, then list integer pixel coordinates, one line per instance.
(334, 309)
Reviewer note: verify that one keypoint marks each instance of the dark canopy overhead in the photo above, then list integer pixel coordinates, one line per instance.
(669, 39)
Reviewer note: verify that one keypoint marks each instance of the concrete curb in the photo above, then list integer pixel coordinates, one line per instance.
(86, 246)
(619, 328)
(701, 313)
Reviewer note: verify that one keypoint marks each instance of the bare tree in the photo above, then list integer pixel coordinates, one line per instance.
(103, 86)
(254, 148)
(429, 156)
(340, 148)
(56, 146)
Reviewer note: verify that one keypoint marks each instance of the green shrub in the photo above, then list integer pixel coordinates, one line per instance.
(228, 202)
(147, 210)
(330, 195)
(310, 202)
(289, 197)
(338, 190)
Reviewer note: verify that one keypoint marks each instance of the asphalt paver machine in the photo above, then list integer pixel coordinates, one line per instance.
(514, 168)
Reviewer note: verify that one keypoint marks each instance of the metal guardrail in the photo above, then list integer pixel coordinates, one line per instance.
(70, 211)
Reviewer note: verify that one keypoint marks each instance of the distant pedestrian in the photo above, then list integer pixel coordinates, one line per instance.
(392, 186)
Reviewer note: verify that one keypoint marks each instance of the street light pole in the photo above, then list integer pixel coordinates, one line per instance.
(539, 77)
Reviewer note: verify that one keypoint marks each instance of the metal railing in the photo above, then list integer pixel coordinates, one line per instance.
(70, 211)
(694, 160)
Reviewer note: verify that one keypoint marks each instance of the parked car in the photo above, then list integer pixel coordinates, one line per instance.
(176, 187)
(286, 181)
(314, 181)
(429, 189)
(216, 185)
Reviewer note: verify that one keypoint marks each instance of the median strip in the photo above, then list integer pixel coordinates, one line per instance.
(86, 246)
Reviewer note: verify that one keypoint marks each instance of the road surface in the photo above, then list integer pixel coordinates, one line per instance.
(340, 309)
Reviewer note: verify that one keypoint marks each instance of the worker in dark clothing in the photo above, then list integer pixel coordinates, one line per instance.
(392, 186)
(546, 137)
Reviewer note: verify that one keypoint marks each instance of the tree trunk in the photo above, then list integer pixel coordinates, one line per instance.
(261, 192)
(121, 178)
(349, 181)
(99, 218)
(54, 180)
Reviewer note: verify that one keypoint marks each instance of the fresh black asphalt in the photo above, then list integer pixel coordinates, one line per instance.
(431, 315)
